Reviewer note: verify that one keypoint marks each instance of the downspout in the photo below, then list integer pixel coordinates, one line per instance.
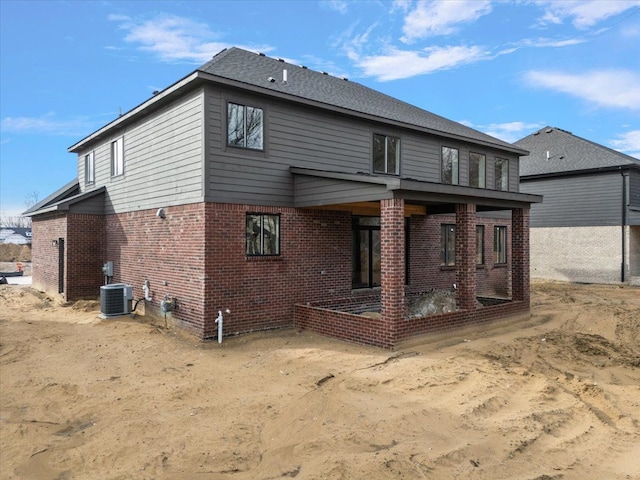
(625, 176)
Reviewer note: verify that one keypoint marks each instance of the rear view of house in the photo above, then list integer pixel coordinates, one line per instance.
(293, 198)
(588, 228)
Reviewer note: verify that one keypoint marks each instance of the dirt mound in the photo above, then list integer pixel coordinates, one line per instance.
(10, 252)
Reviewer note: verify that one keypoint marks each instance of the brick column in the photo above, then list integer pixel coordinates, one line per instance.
(520, 254)
(466, 256)
(392, 262)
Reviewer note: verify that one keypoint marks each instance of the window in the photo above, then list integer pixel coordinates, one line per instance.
(263, 234)
(386, 154)
(502, 174)
(245, 126)
(450, 165)
(447, 245)
(117, 157)
(89, 168)
(479, 244)
(500, 244)
(477, 169)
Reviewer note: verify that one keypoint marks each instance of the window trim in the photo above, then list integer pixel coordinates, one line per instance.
(480, 243)
(386, 154)
(117, 157)
(279, 239)
(447, 257)
(455, 174)
(90, 168)
(500, 237)
(244, 125)
(505, 174)
(482, 170)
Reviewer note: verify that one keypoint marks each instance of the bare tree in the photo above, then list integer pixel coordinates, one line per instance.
(17, 220)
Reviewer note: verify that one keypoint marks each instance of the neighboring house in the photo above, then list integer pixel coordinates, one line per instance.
(17, 235)
(588, 228)
(293, 198)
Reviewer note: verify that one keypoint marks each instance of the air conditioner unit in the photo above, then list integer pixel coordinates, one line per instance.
(115, 299)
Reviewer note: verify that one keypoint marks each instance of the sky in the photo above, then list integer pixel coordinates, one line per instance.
(506, 68)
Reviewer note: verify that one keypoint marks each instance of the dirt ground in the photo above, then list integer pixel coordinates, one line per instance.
(556, 398)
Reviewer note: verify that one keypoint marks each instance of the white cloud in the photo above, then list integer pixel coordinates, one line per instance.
(606, 88)
(628, 143)
(399, 64)
(583, 13)
(174, 39)
(509, 131)
(49, 124)
(340, 6)
(430, 18)
(550, 42)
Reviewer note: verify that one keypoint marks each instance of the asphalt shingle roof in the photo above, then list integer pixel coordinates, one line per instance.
(256, 69)
(567, 153)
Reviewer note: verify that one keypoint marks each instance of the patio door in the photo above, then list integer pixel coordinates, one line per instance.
(366, 252)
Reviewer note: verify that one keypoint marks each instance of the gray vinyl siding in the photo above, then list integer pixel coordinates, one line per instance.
(311, 191)
(634, 188)
(162, 159)
(91, 206)
(581, 200)
(297, 136)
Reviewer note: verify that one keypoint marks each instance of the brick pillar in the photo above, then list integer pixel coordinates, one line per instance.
(520, 254)
(392, 263)
(466, 256)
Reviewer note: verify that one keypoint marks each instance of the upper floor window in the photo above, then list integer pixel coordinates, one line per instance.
(117, 157)
(500, 244)
(447, 244)
(263, 234)
(477, 170)
(479, 244)
(502, 174)
(89, 168)
(386, 154)
(450, 165)
(245, 126)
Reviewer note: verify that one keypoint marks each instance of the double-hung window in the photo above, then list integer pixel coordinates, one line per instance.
(447, 245)
(479, 245)
(245, 126)
(500, 244)
(386, 154)
(502, 174)
(117, 157)
(450, 165)
(477, 170)
(89, 168)
(263, 234)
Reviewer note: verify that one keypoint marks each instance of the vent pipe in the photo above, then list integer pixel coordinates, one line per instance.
(284, 76)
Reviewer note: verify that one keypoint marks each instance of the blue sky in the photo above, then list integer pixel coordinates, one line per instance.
(506, 68)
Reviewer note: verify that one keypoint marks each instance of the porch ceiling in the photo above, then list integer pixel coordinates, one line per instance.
(321, 188)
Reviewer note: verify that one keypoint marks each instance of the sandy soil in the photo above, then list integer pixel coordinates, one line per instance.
(557, 398)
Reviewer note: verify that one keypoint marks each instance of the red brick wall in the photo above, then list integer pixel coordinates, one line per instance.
(44, 256)
(466, 256)
(84, 250)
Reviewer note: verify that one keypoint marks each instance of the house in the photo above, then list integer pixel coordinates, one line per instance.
(292, 198)
(588, 228)
(17, 235)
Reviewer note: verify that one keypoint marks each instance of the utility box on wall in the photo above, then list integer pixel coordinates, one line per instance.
(115, 299)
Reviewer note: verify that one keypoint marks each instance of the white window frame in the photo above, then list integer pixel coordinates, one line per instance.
(504, 174)
(244, 139)
(90, 168)
(117, 157)
(481, 159)
(387, 149)
(455, 165)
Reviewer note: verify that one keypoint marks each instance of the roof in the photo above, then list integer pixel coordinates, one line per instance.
(265, 75)
(554, 150)
(63, 198)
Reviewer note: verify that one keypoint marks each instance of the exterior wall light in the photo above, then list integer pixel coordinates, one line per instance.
(160, 213)
(54, 243)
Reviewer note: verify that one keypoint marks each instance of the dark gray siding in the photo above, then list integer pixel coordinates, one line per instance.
(162, 159)
(581, 200)
(312, 191)
(634, 188)
(297, 136)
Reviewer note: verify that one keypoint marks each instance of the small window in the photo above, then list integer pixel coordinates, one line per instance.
(386, 154)
(479, 244)
(502, 174)
(477, 170)
(500, 244)
(263, 234)
(245, 126)
(89, 168)
(450, 165)
(117, 157)
(447, 245)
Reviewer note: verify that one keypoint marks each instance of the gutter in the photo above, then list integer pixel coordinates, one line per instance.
(625, 179)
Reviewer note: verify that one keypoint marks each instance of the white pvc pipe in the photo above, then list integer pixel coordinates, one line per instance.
(219, 321)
